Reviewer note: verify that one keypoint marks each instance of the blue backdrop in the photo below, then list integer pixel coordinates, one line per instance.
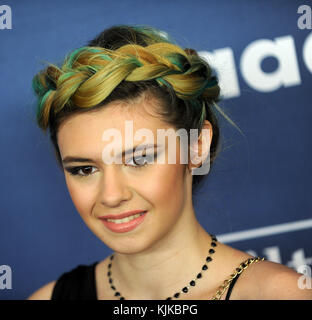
(257, 197)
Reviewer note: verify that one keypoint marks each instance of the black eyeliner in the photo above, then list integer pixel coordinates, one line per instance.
(74, 170)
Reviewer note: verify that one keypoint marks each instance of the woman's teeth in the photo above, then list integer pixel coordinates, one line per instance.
(127, 219)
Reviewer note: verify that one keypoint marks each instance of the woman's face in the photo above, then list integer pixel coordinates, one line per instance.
(98, 188)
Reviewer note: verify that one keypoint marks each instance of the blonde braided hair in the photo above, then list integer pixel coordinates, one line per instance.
(89, 74)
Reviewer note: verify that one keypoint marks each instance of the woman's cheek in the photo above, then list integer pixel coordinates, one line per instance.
(165, 187)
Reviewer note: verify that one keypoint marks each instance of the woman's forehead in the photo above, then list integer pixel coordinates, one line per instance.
(126, 118)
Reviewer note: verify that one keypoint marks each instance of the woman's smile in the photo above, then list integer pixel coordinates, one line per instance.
(125, 224)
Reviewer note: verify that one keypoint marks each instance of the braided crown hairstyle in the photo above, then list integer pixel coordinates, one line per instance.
(122, 63)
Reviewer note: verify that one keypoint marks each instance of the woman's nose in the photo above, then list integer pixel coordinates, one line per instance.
(113, 188)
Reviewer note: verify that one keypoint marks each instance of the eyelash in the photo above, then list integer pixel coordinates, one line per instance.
(74, 171)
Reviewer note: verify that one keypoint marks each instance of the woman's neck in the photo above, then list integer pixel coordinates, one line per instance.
(167, 267)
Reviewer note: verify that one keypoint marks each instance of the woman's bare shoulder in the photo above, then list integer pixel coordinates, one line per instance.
(262, 280)
(268, 280)
(43, 293)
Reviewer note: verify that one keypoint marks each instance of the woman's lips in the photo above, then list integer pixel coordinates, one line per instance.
(122, 215)
(124, 226)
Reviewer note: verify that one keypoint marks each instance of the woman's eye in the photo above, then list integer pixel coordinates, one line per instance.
(140, 161)
(81, 171)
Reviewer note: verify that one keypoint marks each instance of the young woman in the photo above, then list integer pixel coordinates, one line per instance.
(113, 100)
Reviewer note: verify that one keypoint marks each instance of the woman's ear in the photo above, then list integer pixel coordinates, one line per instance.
(199, 163)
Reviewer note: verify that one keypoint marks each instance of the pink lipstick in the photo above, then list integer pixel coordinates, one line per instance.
(124, 222)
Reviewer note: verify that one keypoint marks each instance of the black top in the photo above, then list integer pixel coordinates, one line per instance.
(79, 284)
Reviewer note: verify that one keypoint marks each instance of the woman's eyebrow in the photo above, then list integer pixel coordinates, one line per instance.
(136, 148)
(75, 159)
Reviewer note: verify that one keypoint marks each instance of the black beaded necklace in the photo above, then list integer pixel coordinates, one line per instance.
(192, 283)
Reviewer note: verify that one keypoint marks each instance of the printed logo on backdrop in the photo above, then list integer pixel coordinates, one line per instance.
(300, 260)
(282, 49)
(5, 277)
(305, 20)
(5, 17)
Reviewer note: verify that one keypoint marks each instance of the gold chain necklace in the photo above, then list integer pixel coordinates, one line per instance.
(244, 265)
